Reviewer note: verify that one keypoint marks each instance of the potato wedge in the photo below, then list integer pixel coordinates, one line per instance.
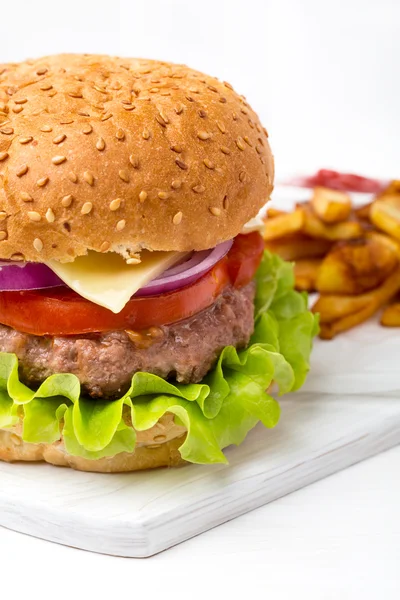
(305, 273)
(392, 189)
(362, 212)
(275, 212)
(385, 215)
(391, 315)
(316, 228)
(331, 206)
(298, 246)
(356, 266)
(364, 307)
(283, 225)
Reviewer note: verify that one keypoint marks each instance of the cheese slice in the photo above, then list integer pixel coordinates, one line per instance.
(107, 280)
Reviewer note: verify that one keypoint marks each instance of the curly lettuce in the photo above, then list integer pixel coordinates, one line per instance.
(217, 412)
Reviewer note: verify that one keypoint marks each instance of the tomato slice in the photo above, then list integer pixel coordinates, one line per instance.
(244, 258)
(60, 311)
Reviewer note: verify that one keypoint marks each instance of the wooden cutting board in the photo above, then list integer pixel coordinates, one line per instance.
(140, 514)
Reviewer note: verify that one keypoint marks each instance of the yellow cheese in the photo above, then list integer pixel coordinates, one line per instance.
(107, 280)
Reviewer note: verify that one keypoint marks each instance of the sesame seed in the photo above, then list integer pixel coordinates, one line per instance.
(46, 129)
(7, 130)
(221, 127)
(265, 132)
(25, 140)
(258, 128)
(46, 87)
(124, 175)
(203, 135)
(228, 85)
(115, 204)
(145, 134)
(58, 160)
(66, 121)
(244, 110)
(25, 197)
(3, 235)
(23, 169)
(100, 89)
(82, 113)
(177, 218)
(106, 117)
(242, 176)
(160, 121)
(189, 98)
(88, 177)
(234, 116)
(258, 149)
(251, 123)
(52, 94)
(134, 161)
(38, 244)
(248, 142)
(105, 246)
(142, 196)
(3, 215)
(164, 117)
(17, 109)
(208, 163)
(181, 164)
(225, 150)
(240, 144)
(72, 177)
(163, 195)
(42, 71)
(222, 100)
(20, 101)
(75, 94)
(179, 109)
(3, 156)
(42, 182)
(86, 208)
(212, 88)
(133, 261)
(50, 217)
(18, 257)
(176, 148)
(120, 134)
(59, 138)
(166, 92)
(34, 216)
(87, 129)
(176, 184)
(100, 144)
(225, 203)
(127, 106)
(202, 114)
(67, 200)
(198, 189)
(215, 211)
(121, 225)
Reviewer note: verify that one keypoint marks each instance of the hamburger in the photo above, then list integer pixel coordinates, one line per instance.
(141, 322)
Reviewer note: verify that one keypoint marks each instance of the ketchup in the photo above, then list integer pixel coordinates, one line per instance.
(342, 181)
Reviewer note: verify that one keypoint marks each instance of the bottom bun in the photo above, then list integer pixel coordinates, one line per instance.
(13, 449)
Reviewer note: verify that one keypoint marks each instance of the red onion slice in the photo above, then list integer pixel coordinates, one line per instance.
(195, 267)
(36, 276)
(27, 276)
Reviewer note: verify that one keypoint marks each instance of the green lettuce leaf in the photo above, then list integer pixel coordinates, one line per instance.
(217, 412)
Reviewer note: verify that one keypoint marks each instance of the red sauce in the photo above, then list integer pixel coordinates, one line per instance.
(348, 182)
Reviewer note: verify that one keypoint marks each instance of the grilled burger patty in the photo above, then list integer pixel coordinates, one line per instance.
(105, 363)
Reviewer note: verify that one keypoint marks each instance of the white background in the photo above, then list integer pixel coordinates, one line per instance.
(324, 77)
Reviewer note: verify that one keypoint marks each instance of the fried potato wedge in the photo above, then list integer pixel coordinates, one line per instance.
(275, 212)
(340, 313)
(385, 215)
(298, 246)
(391, 315)
(356, 266)
(314, 227)
(392, 189)
(283, 225)
(305, 273)
(362, 212)
(331, 206)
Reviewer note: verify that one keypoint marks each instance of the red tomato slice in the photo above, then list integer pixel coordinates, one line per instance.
(60, 311)
(244, 258)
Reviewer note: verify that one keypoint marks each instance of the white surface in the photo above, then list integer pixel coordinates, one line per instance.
(139, 514)
(326, 88)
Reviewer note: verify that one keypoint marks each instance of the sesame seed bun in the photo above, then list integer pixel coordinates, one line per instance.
(118, 154)
(156, 447)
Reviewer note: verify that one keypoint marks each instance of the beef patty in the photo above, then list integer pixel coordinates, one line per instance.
(105, 363)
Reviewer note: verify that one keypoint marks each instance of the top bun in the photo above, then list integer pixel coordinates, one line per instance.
(120, 154)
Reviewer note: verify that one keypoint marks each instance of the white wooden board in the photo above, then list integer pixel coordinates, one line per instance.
(140, 514)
